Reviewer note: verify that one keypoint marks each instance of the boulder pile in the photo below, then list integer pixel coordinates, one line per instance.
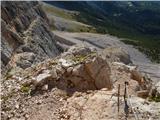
(78, 84)
(79, 69)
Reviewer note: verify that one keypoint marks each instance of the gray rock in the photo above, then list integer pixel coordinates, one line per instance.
(22, 60)
(54, 73)
(41, 79)
(25, 29)
(23, 64)
(78, 50)
(100, 72)
(116, 55)
(93, 73)
(45, 87)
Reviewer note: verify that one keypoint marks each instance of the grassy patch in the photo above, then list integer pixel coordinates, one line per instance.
(25, 88)
(130, 42)
(52, 24)
(68, 15)
(58, 12)
(9, 95)
(5, 98)
(150, 48)
(10, 72)
(81, 58)
(156, 99)
(52, 62)
(81, 28)
(6, 109)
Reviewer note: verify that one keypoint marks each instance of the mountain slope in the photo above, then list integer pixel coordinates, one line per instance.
(119, 13)
(26, 36)
(138, 22)
(64, 20)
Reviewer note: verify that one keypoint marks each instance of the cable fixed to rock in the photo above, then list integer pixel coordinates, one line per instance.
(118, 97)
(127, 99)
(126, 107)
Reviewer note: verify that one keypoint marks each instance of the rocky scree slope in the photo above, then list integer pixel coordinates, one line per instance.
(79, 84)
(26, 36)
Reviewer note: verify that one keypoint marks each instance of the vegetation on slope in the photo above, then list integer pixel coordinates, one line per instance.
(150, 49)
(53, 10)
(66, 18)
(136, 21)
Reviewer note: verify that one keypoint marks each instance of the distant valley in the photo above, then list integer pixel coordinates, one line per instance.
(137, 22)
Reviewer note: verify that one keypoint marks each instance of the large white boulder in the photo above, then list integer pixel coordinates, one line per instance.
(93, 73)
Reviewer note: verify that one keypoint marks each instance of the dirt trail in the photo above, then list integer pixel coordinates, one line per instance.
(100, 41)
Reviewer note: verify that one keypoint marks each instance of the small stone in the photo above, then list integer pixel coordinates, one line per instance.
(54, 73)
(142, 93)
(45, 71)
(38, 102)
(65, 63)
(26, 116)
(104, 89)
(23, 109)
(75, 71)
(41, 78)
(61, 100)
(17, 106)
(77, 94)
(69, 70)
(45, 87)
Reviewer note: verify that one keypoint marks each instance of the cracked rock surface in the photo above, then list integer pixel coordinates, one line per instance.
(26, 36)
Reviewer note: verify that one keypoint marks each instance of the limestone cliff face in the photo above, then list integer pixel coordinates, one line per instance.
(25, 34)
